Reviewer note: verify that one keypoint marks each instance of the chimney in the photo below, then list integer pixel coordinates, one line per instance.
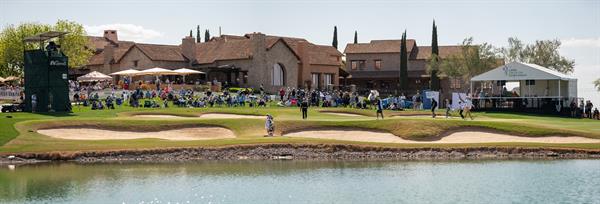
(259, 61)
(304, 68)
(108, 52)
(111, 35)
(188, 48)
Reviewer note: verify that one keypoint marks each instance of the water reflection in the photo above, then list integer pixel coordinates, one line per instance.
(302, 181)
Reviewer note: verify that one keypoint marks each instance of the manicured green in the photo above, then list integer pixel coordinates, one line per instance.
(18, 134)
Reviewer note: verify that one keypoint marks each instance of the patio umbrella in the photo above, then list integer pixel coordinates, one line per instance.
(128, 72)
(11, 78)
(1, 79)
(184, 71)
(157, 71)
(94, 76)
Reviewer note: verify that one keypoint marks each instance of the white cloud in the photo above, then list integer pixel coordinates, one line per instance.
(125, 31)
(581, 42)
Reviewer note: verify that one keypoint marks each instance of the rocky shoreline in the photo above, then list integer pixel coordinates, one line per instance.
(301, 152)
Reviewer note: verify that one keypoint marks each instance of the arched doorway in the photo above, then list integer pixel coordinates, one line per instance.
(278, 75)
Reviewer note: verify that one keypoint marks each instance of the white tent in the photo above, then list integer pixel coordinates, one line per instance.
(128, 72)
(535, 81)
(94, 76)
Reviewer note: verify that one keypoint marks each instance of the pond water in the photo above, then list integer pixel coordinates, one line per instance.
(521, 181)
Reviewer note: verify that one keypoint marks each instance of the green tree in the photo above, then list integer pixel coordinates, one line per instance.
(434, 61)
(355, 37)
(335, 41)
(206, 35)
(198, 34)
(403, 64)
(75, 44)
(597, 84)
(543, 52)
(191, 34)
(471, 61)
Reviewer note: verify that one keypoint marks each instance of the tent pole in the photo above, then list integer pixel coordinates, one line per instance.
(559, 98)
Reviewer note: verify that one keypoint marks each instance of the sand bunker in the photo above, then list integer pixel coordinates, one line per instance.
(457, 137)
(230, 116)
(343, 114)
(199, 133)
(161, 116)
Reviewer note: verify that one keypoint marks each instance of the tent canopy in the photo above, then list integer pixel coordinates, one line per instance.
(94, 76)
(516, 71)
(128, 72)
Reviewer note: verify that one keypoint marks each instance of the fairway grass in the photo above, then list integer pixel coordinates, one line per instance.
(19, 133)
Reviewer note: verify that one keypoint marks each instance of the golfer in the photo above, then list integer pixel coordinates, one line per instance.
(269, 125)
(304, 108)
(379, 108)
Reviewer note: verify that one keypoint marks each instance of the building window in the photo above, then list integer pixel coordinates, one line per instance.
(357, 64)
(455, 83)
(278, 75)
(530, 82)
(315, 81)
(378, 64)
(135, 63)
(328, 79)
(417, 81)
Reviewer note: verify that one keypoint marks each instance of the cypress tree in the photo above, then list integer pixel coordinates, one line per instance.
(335, 41)
(198, 34)
(355, 37)
(206, 36)
(435, 81)
(403, 64)
(190, 33)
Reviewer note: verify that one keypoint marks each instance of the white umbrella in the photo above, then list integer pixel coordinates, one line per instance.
(128, 72)
(11, 78)
(157, 71)
(1, 79)
(94, 76)
(183, 72)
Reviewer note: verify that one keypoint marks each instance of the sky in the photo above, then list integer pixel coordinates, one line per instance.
(576, 22)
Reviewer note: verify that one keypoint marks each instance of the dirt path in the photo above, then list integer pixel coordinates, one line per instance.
(457, 137)
(343, 114)
(200, 133)
(230, 116)
(162, 116)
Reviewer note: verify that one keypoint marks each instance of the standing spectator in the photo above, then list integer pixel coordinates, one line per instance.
(33, 103)
(448, 108)
(281, 93)
(588, 109)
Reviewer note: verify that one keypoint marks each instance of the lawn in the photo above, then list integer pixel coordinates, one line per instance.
(18, 133)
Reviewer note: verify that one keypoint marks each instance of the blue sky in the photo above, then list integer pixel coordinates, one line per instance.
(576, 23)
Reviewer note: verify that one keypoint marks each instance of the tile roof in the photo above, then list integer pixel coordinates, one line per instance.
(209, 52)
(162, 52)
(379, 46)
(225, 47)
(445, 51)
